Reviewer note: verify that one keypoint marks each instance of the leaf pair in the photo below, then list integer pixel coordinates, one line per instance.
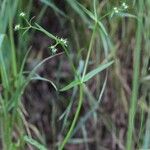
(87, 77)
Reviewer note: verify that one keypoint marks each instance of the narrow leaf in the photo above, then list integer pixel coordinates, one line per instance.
(71, 85)
(3, 71)
(96, 71)
(1, 39)
(127, 15)
(34, 143)
(91, 15)
(44, 79)
(77, 9)
(53, 6)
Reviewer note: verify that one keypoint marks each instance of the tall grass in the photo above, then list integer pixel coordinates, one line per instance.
(12, 78)
(136, 73)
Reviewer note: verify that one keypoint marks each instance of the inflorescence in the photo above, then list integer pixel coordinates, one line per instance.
(58, 40)
(121, 8)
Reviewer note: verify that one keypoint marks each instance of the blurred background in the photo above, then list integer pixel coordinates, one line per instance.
(116, 101)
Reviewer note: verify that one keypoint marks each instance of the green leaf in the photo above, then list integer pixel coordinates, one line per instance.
(34, 143)
(53, 6)
(3, 71)
(102, 28)
(44, 79)
(77, 9)
(87, 76)
(91, 15)
(71, 85)
(145, 79)
(96, 71)
(1, 39)
(40, 64)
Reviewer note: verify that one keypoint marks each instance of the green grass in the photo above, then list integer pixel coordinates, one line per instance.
(107, 53)
(136, 73)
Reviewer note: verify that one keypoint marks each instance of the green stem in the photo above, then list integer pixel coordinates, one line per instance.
(13, 54)
(65, 49)
(89, 52)
(81, 92)
(74, 120)
(136, 72)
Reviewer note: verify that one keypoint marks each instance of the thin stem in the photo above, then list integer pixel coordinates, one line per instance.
(57, 41)
(13, 54)
(75, 118)
(81, 93)
(89, 52)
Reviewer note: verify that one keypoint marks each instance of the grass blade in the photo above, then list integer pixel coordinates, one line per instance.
(3, 71)
(71, 85)
(53, 6)
(136, 73)
(44, 79)
(1, 39)
(146, 144)
(93, 17)
(96, 71)
(34, 143)
(78, 10)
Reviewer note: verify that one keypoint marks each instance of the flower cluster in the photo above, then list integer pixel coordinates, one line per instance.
(59, 41)
(123, 7)
(18, 27)
(22, 14)
(53, 49)
(116, 10)
(63, 41)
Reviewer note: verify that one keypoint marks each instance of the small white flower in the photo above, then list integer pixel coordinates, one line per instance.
(17, 27)
(54, 49)
(116, 10)
(64, 41)
(22, 14)
(125, 6)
